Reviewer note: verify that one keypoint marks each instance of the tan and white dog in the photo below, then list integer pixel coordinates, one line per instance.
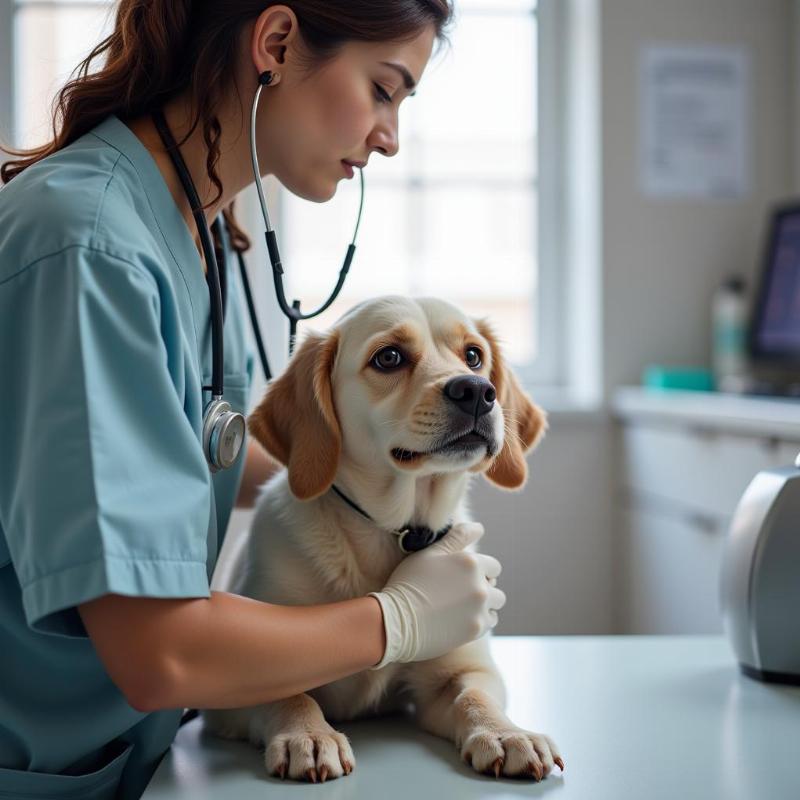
(398, 405)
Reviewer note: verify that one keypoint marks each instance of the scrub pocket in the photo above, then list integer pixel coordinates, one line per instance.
(99, 785)
(236, 391)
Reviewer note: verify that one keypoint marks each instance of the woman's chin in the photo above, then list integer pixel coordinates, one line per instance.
(328, 192)
(318, 190)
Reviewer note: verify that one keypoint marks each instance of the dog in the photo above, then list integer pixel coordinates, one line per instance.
(397, 406)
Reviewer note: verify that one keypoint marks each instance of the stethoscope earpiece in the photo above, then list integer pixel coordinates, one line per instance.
(265, 78)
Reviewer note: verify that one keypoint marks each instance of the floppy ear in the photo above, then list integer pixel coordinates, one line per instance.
(525, 423)
(296, 420)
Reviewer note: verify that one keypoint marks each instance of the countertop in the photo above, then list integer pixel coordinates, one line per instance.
(647, 717)
(776, 416)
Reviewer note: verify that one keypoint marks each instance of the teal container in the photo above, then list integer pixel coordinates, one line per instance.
(696, 379)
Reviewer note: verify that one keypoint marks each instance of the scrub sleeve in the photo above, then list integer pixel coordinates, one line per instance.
(104, 488)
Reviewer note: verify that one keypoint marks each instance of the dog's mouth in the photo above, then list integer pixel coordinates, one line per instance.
(465, 444)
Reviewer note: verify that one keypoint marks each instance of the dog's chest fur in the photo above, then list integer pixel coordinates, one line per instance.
(316, 552)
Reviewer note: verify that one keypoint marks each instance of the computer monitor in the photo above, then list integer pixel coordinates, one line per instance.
(774, 333)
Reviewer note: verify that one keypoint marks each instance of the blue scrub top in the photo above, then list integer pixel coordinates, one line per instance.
(105, 345)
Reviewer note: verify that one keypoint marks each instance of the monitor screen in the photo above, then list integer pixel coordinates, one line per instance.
(775, 328)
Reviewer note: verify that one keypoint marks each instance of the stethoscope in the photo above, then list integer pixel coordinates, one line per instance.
(223, 428)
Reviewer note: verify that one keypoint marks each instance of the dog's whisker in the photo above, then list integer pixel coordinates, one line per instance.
(395, 424)
(509, 430)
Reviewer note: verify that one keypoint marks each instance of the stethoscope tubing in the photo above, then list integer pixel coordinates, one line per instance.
(292, 312)
(216, 272)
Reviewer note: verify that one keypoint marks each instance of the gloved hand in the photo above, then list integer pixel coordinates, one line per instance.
(439, 598)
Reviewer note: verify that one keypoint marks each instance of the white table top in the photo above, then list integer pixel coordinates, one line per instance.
(644, 717)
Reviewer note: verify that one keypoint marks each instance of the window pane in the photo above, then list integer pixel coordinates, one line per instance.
(461, 99)
(470, 245)
(477, 254)
(464, 121)
(454, 213)
(50, 42)
(323, 232)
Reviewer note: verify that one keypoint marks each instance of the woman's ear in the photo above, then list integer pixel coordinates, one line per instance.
(525, 423)
(296, 420)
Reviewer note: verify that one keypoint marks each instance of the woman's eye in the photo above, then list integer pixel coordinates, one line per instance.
(473, 356)
(383, 95)
(388, 358)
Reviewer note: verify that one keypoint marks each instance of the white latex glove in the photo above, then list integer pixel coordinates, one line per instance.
(439, 598)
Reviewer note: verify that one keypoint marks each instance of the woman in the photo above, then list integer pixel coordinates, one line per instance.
(111, 520)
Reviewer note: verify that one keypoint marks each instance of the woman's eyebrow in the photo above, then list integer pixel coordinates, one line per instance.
(407, 79)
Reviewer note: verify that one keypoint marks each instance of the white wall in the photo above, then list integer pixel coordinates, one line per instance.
(662, 258)
(553, 537)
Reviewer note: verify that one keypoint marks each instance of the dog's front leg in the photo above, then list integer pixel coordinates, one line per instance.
(461, 696)
(299, 741)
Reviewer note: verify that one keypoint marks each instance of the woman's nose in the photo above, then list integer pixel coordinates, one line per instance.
(384, 139)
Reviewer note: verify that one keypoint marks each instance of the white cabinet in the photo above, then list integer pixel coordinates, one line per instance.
(671, 572)
(685, 458)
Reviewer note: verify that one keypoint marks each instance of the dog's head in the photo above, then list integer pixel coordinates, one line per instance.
(398, 384)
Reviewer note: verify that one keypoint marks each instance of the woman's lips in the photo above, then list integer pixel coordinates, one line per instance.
(348, 170)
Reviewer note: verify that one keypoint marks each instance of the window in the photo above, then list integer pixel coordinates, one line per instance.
(51, 37)
(455, 214)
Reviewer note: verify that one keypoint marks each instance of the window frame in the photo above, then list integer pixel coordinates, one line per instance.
(549, 368)
(7, 74)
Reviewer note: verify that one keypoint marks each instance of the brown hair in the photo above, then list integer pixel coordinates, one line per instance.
(160, 48)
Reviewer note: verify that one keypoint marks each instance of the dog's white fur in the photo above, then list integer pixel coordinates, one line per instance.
(333, 416)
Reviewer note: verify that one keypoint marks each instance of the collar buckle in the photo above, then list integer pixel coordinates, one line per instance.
(410, 538)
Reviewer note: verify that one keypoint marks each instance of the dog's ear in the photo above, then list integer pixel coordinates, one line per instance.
(525, 423)
(296, 420)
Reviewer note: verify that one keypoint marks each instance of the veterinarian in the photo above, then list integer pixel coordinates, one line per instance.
(111, 518)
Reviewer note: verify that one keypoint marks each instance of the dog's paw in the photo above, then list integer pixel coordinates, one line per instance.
(309, 755)
(512, 752)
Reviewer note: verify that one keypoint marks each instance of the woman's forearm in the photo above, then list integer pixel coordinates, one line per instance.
(231, 651)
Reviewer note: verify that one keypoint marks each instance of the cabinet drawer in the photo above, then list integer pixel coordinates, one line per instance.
(699, 468)
(670, 570)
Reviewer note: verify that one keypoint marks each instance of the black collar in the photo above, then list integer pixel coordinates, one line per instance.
(409, 537)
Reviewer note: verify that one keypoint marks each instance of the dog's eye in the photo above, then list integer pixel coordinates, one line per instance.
(388, 358)
(473, 356)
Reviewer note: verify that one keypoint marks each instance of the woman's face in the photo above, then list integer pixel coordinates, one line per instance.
(312, 121)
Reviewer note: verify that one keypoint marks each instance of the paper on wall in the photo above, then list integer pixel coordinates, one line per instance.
(694, 113)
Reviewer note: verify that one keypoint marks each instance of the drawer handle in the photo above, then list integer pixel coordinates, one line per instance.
(705, 522)
(703, 432)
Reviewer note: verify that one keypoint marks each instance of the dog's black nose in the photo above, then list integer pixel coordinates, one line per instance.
(471, 393)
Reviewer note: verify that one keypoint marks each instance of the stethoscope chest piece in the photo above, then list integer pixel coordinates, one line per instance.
(223, 434)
